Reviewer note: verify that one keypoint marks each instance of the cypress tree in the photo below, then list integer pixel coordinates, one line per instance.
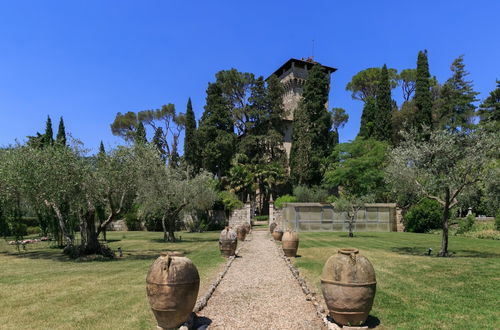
(102, 151)
(383, 114)
(48, 138)
(423, 97)
(61, 133)
(140, 134)
(215, 132)
(311, 128)
(190, 145)
(368, 118)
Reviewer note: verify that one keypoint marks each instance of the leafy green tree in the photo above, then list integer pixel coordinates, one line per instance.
(360, 170)
(364, 84)
(407, 79)
(423, 97)
(140, 134)
(165, 191)
(442, 167)
(339, 119)
(489, 110)
(190, 144)
(383, 116)
(61, 133)
(311, 130)
(455, 105)
(125, 125)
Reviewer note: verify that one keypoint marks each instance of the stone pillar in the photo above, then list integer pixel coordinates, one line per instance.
(248, 208)
(271, 209)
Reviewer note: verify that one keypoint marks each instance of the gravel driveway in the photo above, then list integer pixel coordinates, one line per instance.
(259, 292)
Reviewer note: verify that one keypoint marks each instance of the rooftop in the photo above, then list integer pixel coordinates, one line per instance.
(309, 62)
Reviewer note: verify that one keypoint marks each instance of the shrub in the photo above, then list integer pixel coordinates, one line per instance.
(424, 216)
(261, 218)
(284, 199)
(305, 194)
(33, 230)
(132, 219)
(230, 201)
(497, 221)
(465, 225)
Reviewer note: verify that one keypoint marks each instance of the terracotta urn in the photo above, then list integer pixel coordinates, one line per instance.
(278, 234)
(248, 227)
(348, 284)
(290, 244)
(241, 233)
(228, 242)
(172, 288)
(272, 226)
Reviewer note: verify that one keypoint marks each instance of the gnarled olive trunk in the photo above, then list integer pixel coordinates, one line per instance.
(446, 216)
(89, 234)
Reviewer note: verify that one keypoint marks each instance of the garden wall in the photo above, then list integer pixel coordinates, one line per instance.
(379, 217)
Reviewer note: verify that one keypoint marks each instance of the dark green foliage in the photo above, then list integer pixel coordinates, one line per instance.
(216, 132)
(455, 105)
(132, 219)
(261, 218)
(230, 201)
(284, 199)
(339, 119)
(497, 221)
(190, 144)
(102, 151)
(424, 216)
(61, 134)
(368, 117)
(48, 137)
(140, 134)
(311, 130)
(310, 194)
(365, 83)
(423, 98)
(489, 110)
(383, 116)
(125, 125)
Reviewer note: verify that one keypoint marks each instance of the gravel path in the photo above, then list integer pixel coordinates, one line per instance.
(259, 292)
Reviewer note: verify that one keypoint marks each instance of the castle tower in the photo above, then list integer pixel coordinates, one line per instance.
(293, 74)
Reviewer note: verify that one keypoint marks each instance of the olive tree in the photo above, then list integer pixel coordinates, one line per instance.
(165, 191)
(442, 167)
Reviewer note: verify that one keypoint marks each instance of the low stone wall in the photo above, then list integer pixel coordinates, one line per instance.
(117, 225)
(380, 217)
(241, 216)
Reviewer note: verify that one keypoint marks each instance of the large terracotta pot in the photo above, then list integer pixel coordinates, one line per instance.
(172, 289)
(278, 234)
(228, 242)
(272, 226)
(248, 227)
(241, 232)
(348, 284)
(290, 243)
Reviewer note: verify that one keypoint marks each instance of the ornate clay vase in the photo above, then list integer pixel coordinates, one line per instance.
(290, 243)
(241, 232)
(172, 289)
(228, 242)
(348, 284)
(278, 234)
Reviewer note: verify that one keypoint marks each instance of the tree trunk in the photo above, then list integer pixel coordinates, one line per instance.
(89, 235)
(62, 224)
(446, 215)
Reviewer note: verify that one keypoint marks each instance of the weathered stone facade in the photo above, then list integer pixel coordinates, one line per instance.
(241, 216)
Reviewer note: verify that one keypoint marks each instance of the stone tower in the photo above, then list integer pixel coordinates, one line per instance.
(293, 75)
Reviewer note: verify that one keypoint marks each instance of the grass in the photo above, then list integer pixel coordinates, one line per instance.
(416, 291)
(42, 289)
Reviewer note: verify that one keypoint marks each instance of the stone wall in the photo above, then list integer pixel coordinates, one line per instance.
(241, 216)
(379, 217)
(117, 225)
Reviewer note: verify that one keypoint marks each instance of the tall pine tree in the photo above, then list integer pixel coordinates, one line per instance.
(455, 105)
(190, 144)
(311, 128)
(383, 114)
(102, 151)
(423, 97)
(48, 138)
(61, 134)
(368, 118)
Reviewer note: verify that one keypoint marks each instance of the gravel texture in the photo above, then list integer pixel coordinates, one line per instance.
(260, 292)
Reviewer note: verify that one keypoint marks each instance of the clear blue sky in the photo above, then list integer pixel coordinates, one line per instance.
(87, 60)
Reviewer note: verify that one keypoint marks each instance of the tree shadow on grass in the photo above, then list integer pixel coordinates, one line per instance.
(186, 240)
(421, 251)
(47, 255)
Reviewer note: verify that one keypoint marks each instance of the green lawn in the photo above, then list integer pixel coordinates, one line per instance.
(42, 289)
(415, 291)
